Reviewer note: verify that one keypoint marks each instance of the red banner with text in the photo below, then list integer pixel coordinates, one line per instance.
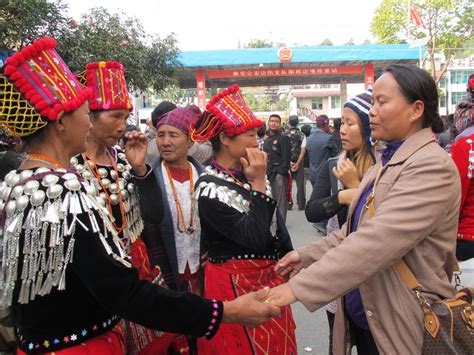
(201, 88)
(260, 73)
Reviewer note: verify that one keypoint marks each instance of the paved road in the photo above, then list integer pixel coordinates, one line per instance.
(312, 328)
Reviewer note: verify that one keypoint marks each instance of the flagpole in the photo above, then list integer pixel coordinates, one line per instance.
(409, 18)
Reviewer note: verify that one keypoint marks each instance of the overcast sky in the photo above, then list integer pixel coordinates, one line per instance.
(206, 24)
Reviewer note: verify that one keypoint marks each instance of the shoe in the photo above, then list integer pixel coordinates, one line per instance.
(301, 208)
(290, 207)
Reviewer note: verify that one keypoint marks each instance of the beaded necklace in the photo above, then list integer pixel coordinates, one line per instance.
(185, 229)
(45, 158)
(241, 182)
(95, 171)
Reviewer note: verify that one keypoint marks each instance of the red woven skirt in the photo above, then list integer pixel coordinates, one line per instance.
(235, 278)
(138, 339)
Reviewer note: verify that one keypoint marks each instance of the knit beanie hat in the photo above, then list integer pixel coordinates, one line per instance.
(361, 105)
(180, 118)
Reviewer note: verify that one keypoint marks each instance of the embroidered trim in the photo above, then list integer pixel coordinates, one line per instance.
(223, 259)
(217, 309)
(470, 166)
(67, 340)
(264, 197)
(465, 236)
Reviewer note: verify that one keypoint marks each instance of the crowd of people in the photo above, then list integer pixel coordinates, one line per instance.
(175, 240)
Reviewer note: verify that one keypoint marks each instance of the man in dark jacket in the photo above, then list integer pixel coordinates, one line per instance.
(335, 141)
(318, 147)
(298, 150)
(277, 146)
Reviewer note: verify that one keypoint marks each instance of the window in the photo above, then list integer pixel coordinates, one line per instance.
(443, 82)
(459, 77)
(442, 100)
(335, 102)
(317, 103)
(457, 96)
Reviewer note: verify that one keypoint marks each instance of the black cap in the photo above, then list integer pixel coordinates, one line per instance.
(293, 120)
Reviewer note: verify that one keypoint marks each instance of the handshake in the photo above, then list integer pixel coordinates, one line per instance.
(252, 309)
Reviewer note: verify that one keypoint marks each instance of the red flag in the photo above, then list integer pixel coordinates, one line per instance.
(415, 17)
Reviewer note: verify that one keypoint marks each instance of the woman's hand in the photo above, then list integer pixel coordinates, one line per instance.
(250, 310)
(289, 265)
(281, 295)
(255, 168)
(136, 147)
(345, 196)
(347, 174)
(294, 167)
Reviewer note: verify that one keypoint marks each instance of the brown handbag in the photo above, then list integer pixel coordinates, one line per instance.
(449, 323)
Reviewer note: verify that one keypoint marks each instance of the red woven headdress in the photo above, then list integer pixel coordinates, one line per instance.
(227, 112)
(38, 74)
(109, 89)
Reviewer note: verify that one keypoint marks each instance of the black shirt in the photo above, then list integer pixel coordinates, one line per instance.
(278, 148)
(99, 290)
(231, 233)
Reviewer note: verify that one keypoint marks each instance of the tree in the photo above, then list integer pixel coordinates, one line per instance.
(468, 49)
(259, 43)
(149, 61)
(22, 21)
(366, 41)
(448, 26)
(175, 94)
(280, 44)
(326, 42)
(350, 42)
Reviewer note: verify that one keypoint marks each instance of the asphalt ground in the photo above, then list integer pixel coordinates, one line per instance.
(312, 332)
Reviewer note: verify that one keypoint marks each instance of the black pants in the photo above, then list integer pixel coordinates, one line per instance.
(299, 178)
(331, 317)
(464, 250)
(363, 340)
(280, 193)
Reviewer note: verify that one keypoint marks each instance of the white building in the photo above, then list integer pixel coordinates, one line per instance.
(317, 99)
(453, 84)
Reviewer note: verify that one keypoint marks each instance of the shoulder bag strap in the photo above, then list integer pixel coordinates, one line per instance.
(403, 270)
(401, 266)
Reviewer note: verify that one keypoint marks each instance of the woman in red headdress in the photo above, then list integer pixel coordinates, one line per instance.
(240, 222)
(65, 276)
(124, 182)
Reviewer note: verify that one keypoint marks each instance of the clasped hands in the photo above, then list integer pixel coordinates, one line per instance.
(254, 308)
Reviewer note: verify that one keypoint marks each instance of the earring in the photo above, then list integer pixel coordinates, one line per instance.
(62, 130)
(413, 119)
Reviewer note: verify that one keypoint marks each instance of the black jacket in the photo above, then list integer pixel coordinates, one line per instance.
(99, 291)
(231, 233)
(278, 148)
(324, 203)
